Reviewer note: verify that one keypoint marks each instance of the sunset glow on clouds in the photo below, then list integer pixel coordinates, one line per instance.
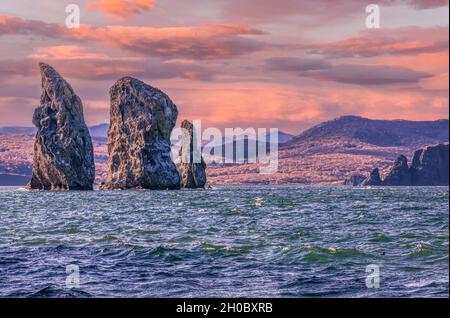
(282, 63)
(121, 8)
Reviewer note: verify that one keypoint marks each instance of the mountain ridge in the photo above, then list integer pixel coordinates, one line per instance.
(385, 133)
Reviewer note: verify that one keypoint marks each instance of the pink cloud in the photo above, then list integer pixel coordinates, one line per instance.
(210, 41)
(107, 69)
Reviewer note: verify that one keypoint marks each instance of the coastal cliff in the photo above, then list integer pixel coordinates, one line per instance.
(429, 167)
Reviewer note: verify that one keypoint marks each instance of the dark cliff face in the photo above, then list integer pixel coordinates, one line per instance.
(373, 179)
(399, 174)
(142, 119)
(429, 167)
(63, 151)
(192, 174)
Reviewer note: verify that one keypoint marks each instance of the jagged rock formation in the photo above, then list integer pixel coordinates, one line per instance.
(192, 167)
(355, 180)
(373, 179)
(400, 174)
(63, 151)
(429, 167)
(142, 119)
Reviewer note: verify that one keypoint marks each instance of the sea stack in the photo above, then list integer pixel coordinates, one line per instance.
(192, 167)
(63, 151)
(142, 118)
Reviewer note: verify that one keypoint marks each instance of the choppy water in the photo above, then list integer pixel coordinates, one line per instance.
(226, 242)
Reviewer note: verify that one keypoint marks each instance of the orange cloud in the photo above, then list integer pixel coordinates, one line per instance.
(209, 41)
(121, 8)
(295, 107)
(73, 52)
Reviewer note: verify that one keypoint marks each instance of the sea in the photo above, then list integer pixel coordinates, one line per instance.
(229, 241)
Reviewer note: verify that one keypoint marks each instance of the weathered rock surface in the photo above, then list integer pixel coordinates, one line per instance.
(429, 167)
(63, 151)
(142, 119)
(374, 178)
(192, 167)
(400, 174)
(355, 180)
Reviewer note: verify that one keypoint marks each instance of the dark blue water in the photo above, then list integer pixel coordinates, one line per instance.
(226, 242)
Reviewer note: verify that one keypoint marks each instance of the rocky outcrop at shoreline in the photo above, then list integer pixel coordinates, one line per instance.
(399, 174)
(373, 179)
(429, 167)
(142, 118)
(192, 173)
(63, 151)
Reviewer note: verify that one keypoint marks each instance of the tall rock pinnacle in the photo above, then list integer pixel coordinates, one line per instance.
(142, 119)
(192, 174)
(63, 151)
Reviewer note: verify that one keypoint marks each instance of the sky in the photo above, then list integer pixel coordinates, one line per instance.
(286, 64)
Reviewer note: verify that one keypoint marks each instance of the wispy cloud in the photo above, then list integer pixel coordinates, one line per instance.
(121, 8)
(357, 74)
(369, 74)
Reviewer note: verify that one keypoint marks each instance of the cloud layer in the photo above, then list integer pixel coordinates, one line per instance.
(268, 63)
